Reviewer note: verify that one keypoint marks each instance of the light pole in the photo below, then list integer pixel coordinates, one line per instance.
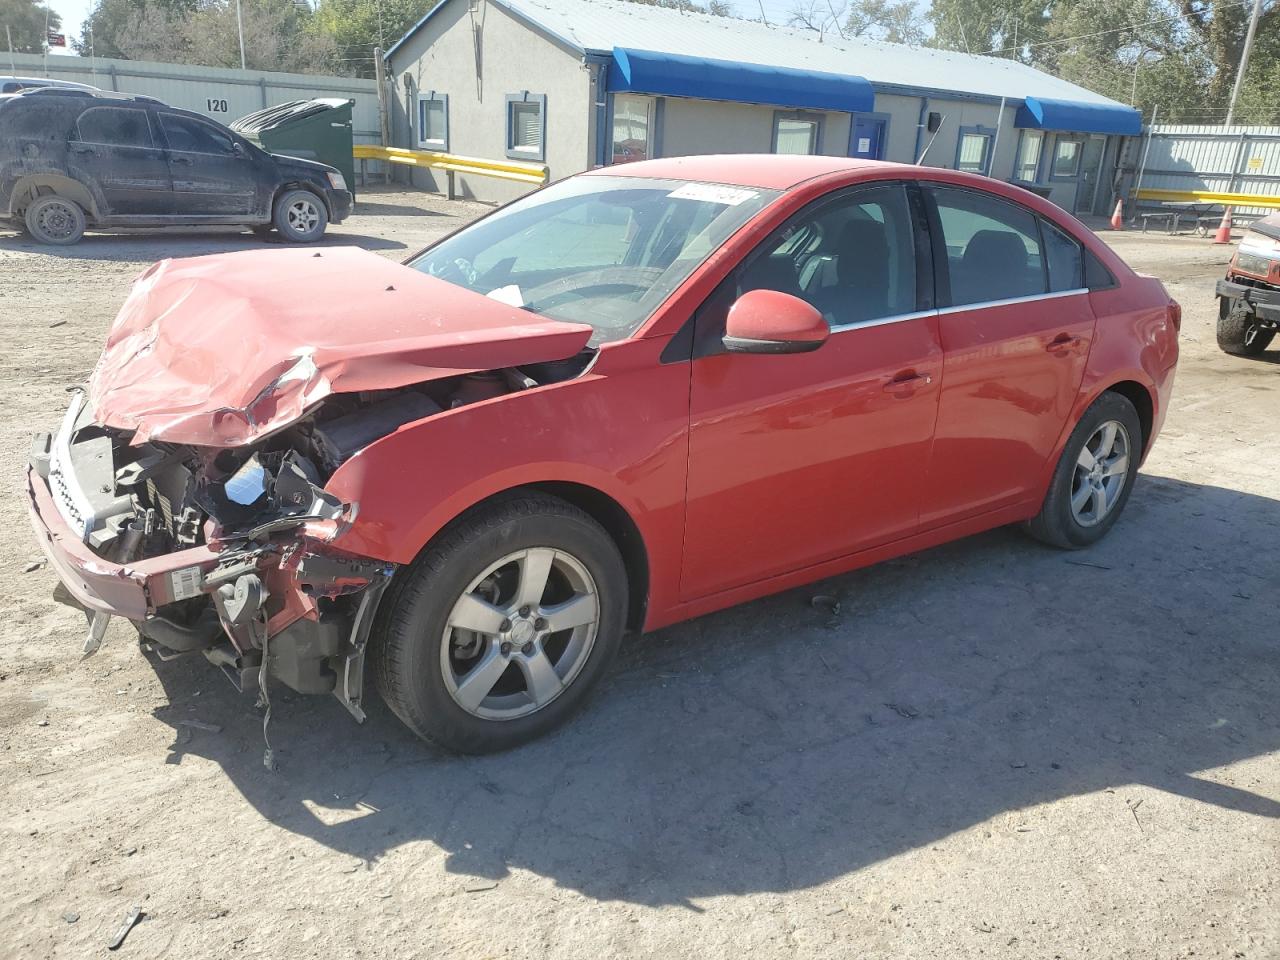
(1244, 60)
(240, 31)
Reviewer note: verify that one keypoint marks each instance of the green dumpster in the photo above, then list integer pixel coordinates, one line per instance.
(311, 129)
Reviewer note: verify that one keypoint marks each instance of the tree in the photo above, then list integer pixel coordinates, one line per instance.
(26, 22)
(998, 27)
(357, 26)
(895, 22)
(279, 34)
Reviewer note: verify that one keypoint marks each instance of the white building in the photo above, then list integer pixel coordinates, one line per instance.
(581, 83)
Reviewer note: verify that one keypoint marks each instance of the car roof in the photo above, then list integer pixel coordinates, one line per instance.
(767, 171)
(74, 94)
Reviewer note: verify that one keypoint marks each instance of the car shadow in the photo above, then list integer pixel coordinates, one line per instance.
(786, 742)
(156, 245)
(373, 208)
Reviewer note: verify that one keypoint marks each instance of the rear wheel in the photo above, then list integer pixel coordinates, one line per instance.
(55, 220)
(1240, 332)
(300, 216)
(1094, 476)
(500, 630)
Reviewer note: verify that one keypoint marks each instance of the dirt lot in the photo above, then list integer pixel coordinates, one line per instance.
(993, 749)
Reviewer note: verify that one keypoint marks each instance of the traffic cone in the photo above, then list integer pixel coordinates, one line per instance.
(1224, 228)
(1117, 218)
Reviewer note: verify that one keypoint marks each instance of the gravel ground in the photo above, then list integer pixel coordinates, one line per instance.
(993, 749)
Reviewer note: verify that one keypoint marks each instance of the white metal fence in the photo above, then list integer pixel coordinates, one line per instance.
(1233, 160)
(222, 94)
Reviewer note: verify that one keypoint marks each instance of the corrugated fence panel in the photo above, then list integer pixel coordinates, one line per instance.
(1237, 159)
(222, 94)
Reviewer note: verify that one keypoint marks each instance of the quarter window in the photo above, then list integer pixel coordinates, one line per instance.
(972, 153)
(526, 126)
(795, 133)
(1064, 257)
(993, 247)
(853, 259)
(189, 135)
(117, 126)
(433, 121)
(1029, 156)
(1066, 158)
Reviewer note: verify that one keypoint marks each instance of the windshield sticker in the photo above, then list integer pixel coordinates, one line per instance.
(510, 295)
(713, 193)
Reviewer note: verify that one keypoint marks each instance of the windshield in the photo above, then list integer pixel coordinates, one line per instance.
(604, 251)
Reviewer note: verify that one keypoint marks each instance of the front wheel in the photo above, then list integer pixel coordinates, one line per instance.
(300, 216)
(499, 631)
(1094, 476)
(1240, 332)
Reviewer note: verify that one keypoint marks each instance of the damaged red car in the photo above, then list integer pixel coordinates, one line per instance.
(625, 400)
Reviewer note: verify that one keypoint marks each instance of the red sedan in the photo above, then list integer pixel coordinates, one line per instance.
(631, 398)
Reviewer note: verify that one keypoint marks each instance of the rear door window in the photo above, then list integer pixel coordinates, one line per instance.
(115, 126)
(189, 135)
(993, 247)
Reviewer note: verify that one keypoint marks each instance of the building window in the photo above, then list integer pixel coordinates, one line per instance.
(433, 120)
(1066, 158)
(973, 153)
(632, 128)
(526, 126)
(796, 132)
(1028, 167)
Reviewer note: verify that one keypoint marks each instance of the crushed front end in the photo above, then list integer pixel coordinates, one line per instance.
(226, 552)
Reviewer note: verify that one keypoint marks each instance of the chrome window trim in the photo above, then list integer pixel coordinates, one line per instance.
(881, 321)
(943, 311)
(1011, 300)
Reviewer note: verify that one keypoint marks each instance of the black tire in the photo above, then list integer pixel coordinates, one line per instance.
(1057, 523)
(55, 220)
(407, 648)
(300, 216)
(1241, 333)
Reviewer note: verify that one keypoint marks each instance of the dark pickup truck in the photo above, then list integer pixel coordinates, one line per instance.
(74, 159)
(1249, 297)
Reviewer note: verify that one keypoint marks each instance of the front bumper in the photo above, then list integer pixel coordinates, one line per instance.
(1264, 300)
(339, 205)
(132, 590)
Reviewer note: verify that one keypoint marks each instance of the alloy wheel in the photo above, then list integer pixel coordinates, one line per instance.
(520, 634)
(1102, 470)
(303, 215)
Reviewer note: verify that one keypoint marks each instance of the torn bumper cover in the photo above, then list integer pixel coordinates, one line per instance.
(273, 594)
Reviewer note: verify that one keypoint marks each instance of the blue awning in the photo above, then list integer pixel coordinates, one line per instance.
(671, 75)
(1041, 114)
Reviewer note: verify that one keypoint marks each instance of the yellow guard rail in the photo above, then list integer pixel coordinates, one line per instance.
(1208, 196)
(514, 170)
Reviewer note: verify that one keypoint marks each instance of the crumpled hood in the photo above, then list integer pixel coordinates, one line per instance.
(222, 350)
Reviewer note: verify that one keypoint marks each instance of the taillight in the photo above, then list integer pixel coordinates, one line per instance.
(1175, 314)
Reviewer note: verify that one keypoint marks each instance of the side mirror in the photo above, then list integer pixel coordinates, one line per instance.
(238, 148)
(769, 321)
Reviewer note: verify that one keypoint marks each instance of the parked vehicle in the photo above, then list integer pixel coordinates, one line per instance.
(72, 159)
(628, 399)
(1249, 297)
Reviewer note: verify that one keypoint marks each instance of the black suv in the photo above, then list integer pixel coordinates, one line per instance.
(76, 158)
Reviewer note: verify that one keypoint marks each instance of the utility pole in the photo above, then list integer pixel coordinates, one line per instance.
(1244, 60)
(9, 38)
(240, 31)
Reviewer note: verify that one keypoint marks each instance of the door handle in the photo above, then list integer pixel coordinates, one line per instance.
(185, 161)
(83, 150)
(1063, 343)
(908, 382)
